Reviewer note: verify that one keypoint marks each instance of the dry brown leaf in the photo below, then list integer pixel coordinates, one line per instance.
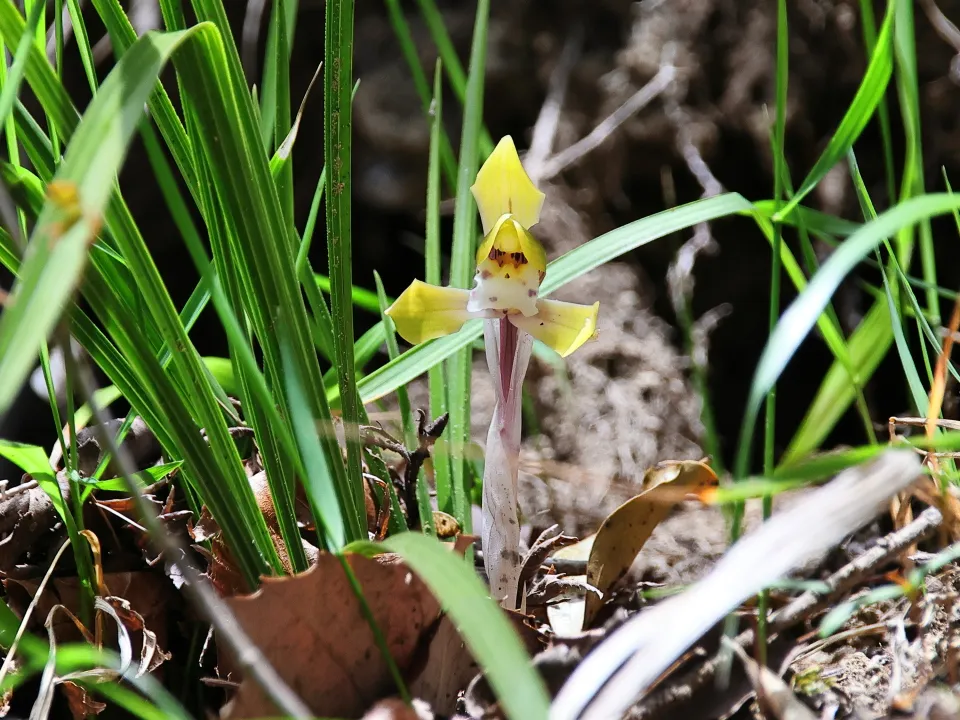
(462, 542)
(81, 703)
(631, 658)
(152, 655)
(774, 697)
(310, 627)
(261, 490)
(26, 515)
(624, 532)
(448, 669)
(147, 593)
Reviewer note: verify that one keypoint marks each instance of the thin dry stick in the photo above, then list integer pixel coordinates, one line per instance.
(887, 548)
(11, 653)
(946, 30)
(940, 372)
(639, 100)
(22, 487)
(211, 606)
(545, 128)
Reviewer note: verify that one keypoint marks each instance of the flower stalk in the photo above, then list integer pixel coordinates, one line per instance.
(511, 265)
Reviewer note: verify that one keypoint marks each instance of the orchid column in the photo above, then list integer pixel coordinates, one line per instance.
(511, 264)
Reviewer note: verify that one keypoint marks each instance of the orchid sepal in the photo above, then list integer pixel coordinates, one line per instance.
(425, 312)
(562, 326)
(504, 188)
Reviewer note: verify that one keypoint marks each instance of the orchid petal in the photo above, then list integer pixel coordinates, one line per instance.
(561, 325)
(503, 187)
(424, 312)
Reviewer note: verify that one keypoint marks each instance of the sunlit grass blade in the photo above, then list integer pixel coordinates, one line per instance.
(459, 80)
(410, 53)
(123, 35)
(800, 317)
(319, 482)
(263, 246)
(462, 260)
(868, 345)
(71, 218)
(865, 102)
(83, 44)
(337, 87)
(359, 296)
(439, 403)
(482, 625)
(908, 90)
(11, 83)
(868, 24)
(896, 323)
(215, 468)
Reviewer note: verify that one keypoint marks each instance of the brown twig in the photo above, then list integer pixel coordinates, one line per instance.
(211, 606)
(682, 689)
(427, 435)
(545, 128)
(634, 104)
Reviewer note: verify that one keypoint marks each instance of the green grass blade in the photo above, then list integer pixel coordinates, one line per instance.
(263, 251)
(359, 296)
(908, 89)
(800, 317)
(393, 351)
(408, 49)
(319, 482)
(462, 262)
(11, 84)
(865, 102)
(869, 25)
(409, 431)
(67, 225)
(123, 35)
(432, 274)
(868, 345)
(337, 86)
(482, 625)
(459, 81)
(82, 39)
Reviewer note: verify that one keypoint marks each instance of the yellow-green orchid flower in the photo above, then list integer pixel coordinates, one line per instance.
(511, 265)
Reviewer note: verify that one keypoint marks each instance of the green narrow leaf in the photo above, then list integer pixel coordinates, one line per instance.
(800, 317)
(319, 482)
(57, 253)
(908, 90)
(459, 81)
(462, 263)
(437, 379)
(337, 85)
(11, 83)
(868, 345)
(865, 102)
(410, 438)
(481, 623)
(408, 49)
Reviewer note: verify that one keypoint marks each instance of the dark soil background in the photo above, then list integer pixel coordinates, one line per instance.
(724, 52)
